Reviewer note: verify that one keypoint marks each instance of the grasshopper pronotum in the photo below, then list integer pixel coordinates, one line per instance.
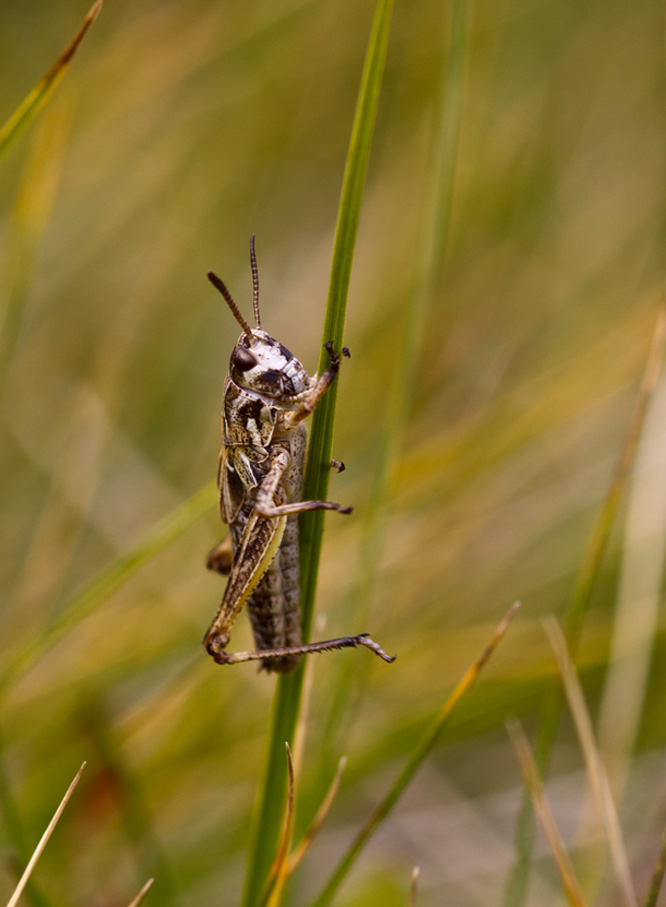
(267, 395)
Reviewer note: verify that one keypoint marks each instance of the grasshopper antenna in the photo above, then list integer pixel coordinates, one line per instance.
(219, 285)
(255, 283)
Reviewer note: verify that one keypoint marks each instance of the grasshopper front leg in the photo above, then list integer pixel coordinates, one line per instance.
(311, 398)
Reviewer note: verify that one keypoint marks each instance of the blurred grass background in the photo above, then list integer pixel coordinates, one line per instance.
(181, 128)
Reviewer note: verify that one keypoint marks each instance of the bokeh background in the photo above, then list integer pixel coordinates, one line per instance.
(181, 128)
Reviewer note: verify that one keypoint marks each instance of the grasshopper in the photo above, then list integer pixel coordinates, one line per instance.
(267, 395)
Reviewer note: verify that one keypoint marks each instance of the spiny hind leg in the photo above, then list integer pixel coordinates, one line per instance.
(329, 645)
(256, 548)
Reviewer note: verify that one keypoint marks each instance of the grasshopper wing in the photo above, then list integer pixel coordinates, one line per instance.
(231, 489)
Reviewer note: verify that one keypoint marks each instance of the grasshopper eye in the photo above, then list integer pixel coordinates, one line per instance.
(242, 359)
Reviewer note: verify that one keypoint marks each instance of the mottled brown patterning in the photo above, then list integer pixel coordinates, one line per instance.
(267, 395)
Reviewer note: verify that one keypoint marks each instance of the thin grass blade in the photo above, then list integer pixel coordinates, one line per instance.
(601, 531)
(545, 814)
(414, 886)
(657, 876)
(34, 101)
(579, 604)
(637, 607)
(309, 836)
(279, 871)
(108, 580)
(432, 248)
(142, 894)
(30, 216)
(287, 698)
(44, 840)
(595, 768)
(317, 472)
(419, 753)
(300, 734)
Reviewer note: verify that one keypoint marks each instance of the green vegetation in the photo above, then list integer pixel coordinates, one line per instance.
(502, 200)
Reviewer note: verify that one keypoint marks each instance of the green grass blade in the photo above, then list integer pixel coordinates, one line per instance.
(433, 241)
(288, 692)
(34, 101)
(418, 755)
(516, 888)
(318, 470)
(87, 599)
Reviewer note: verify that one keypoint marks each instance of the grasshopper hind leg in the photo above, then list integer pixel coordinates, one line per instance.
(285, 659)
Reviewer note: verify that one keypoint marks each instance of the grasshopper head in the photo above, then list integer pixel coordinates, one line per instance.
(260, 363)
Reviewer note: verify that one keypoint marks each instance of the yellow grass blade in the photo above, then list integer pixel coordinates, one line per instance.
(141, 895)
(582, 596)
(414, 886)
(300, 732)
(41, 92)
(545, 814)
(637, 606)
(279, 871)
(657, 876)
(595, 768)
(606, 517)
(419, 753)
(305, 844)
(96, 590)
(43, 841)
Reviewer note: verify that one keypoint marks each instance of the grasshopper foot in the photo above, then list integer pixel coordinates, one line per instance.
(363, 639)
